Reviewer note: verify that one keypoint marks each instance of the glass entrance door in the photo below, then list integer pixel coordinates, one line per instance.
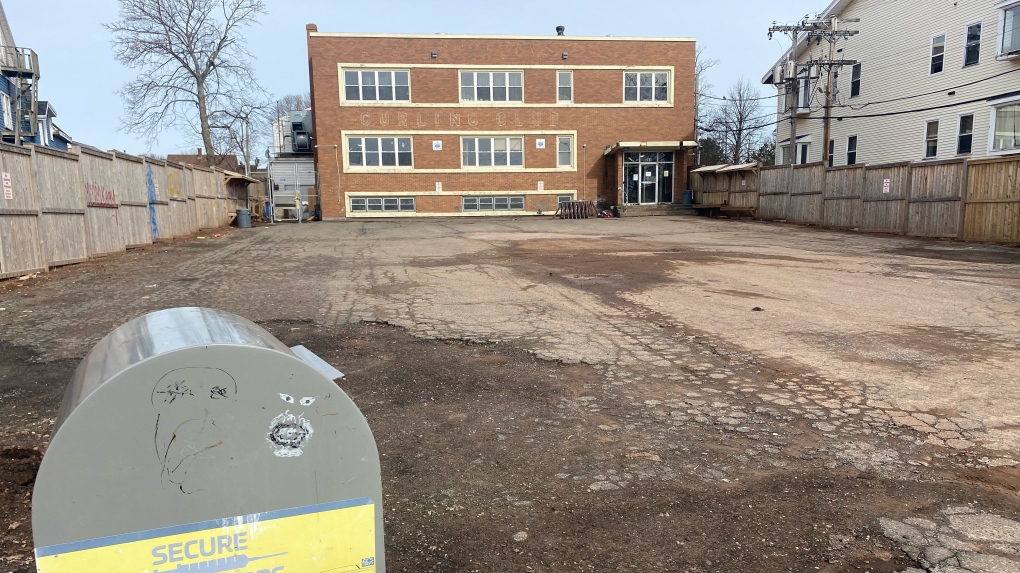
(648, 178)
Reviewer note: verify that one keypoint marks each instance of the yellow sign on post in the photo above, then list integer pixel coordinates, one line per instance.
(332, 537)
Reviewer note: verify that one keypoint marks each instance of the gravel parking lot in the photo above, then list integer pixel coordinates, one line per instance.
(657, 394)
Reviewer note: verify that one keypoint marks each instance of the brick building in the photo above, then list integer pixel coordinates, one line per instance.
(418, 125)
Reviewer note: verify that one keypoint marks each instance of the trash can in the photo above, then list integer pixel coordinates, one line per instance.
(191, 439)
(244, 218)
(269, 212)
(687, 198)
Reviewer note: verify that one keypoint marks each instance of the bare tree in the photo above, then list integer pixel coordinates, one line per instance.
(703, 89)
(237, 131)
(739, 122)
(193, 66)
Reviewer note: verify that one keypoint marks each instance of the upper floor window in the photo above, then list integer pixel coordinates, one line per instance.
(377, 85)
(972, 52)
(1009, 44)
(855, 81)
(565, 151)
(8, 117)
(492, 151)
(931, 139)
(492, 86)
(646, 86)
(832, 152)
(379, 152)
(938, 53)
(851, 150)
(565, 86)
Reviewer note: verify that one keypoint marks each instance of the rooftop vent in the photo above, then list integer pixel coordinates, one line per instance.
(560, 30)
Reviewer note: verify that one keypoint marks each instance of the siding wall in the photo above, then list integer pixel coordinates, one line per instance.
(894, 48)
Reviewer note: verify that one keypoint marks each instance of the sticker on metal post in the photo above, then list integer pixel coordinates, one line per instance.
(338, 536)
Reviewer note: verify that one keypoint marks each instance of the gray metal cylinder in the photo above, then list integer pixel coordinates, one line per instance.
(193, 416)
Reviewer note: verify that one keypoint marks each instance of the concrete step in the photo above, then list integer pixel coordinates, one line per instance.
(674, 209)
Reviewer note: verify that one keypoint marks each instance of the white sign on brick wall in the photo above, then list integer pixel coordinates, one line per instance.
(541, 185)
(439, 186)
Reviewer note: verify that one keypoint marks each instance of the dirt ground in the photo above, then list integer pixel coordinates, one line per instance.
(666, 394)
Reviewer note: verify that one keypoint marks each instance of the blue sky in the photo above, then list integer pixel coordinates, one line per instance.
(80, 76)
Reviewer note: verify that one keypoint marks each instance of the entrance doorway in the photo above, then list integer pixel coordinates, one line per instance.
(649, 178)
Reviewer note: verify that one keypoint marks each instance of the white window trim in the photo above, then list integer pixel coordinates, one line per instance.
(924, 139)
(981, 42)
(8, 111)
(652, 102)
(807, 152)
(973, 124)
(375, 102)
(490, 101)
(857, 148)
(508, 166)
(994, 104)
(1002, 7)
(375, 168)
(564, 101)
(931, 50)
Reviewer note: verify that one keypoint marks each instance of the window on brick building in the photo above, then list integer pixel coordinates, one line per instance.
(492, 151)
(646, 86)
(365, 204)
(377, 85)
(493, 203)
(564, 151)
(379, 152)
(492, 86)
(565, 86)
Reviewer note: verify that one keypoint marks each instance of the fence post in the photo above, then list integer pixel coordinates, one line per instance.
(963, 198)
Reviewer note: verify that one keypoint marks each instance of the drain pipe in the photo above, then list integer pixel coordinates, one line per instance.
(584, 175)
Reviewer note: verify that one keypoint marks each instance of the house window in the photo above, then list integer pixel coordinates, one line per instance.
(379, 152)
(565, 86)
(784, 155)
(832, 152)
(565, 151)
(851, 150)
(804, 94)
(365, 204)
(965, 140)
(1009, 43)
(931, 139)
(972, 52)
(646, 86)
(855, 81)
(8, 117)
(377, 85)
(492, 86)
(1007, 128)
(938, 53)
(493, 203)
(804, 149)
(492, 151)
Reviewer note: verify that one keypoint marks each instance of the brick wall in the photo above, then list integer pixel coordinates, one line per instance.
(436, 114)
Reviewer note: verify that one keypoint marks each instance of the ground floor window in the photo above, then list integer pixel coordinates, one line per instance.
(931, 139)
(382, 204)
(1007, 128)
(564, 198)
(648, 177)
(494, 203)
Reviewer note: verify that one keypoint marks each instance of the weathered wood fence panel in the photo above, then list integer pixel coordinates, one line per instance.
(843, 206)
(743, 190)
(136, 224)
(936, 199)
(807, 194)
(207, 212)
(102, 211)
(62, 206)
(159, 199)
(885, 192)
(992, 208)
(716, 189)
(774, 194)
(20, 236)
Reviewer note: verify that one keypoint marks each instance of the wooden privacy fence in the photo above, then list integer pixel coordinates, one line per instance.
(977, 200)
(59, 208)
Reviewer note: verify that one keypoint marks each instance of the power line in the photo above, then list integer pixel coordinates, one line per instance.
(862, 106)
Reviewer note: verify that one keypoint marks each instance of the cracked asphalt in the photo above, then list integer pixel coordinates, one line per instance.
(693, 354)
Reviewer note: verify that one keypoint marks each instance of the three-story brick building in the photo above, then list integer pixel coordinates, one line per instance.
(426, 125)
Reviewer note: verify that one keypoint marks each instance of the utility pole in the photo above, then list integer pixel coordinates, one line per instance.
(790, 75)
